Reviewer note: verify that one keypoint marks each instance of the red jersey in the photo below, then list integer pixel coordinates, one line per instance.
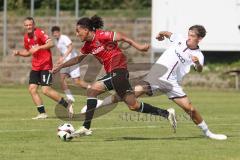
(106, 50)
(42, 59)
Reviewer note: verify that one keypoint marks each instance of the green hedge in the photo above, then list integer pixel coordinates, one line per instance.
(83, 4)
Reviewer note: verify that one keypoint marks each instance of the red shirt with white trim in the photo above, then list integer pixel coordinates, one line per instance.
(106, 50)
(42, 59)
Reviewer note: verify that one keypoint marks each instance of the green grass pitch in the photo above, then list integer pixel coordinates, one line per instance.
(121, 134)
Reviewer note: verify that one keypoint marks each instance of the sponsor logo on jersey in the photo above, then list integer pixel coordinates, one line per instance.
(180, 57)
(98, 50)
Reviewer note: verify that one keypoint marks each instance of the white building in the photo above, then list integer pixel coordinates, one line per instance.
(221, 19)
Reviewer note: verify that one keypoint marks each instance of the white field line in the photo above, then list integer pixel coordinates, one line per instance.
(105, 128)
(108, 128)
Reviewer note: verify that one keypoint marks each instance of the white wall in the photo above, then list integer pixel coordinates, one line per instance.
(220, 18)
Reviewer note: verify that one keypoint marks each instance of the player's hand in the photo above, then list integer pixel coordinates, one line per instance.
(16, 52)
(56, 68)
(195, 60)
(34, 49)
(160, 37)
(144, 47)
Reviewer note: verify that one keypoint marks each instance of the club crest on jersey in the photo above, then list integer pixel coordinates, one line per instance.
(179, 43)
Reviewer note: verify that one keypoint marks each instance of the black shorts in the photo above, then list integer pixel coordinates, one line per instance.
(43, 78)
(118, 80)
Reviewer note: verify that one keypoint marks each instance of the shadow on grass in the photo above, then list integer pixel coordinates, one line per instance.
(154, 138)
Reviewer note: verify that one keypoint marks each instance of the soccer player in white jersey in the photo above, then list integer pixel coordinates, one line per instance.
(65, 47)
(167, 73)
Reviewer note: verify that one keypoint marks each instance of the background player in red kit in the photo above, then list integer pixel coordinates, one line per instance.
(38, 44)
(104, 46)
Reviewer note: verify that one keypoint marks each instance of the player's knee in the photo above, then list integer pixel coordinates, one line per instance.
(133, 107)
(45, 90)
(32, 90)
(190, 109)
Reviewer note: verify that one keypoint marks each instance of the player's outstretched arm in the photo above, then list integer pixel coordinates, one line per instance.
(49, 44)
(141, 47)
(23, 53)
(69, 63)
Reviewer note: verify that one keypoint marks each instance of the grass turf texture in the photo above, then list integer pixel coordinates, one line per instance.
(120, 134)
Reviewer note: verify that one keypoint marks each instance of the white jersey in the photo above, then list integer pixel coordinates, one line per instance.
(62, 44)
(177, 59)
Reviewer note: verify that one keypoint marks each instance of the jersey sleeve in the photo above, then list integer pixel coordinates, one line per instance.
(25, 43)
(175, 38)
(85, 49)
(107, 35)
(200, 57)
(42, 36)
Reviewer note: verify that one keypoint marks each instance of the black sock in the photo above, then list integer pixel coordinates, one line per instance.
(41, 109)
(63, 102)
(147, 108)
(91, 105)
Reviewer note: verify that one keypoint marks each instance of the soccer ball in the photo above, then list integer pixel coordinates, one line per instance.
(64, 132)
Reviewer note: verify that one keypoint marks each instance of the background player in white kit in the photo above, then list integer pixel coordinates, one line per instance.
(167, 73)
(65, 47)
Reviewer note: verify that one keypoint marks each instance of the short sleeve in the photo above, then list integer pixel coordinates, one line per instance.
(175, 37)
(26, 45)
(106, 35)
(42, 36)
(200, 57)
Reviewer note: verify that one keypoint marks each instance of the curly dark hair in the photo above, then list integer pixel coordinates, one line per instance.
(92, 23)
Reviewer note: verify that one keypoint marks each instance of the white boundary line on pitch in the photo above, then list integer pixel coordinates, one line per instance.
(109, 128)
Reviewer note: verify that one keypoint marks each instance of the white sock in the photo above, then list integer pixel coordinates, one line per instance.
(203, 126)
(69, 95)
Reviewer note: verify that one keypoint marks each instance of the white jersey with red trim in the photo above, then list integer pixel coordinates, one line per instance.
(177, 59)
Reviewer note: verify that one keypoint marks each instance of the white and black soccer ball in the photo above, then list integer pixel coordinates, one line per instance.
(64, 132)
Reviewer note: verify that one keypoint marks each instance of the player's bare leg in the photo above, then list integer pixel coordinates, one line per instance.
(33, 90)
(134, 105)
(51, 93)
(187, 106)
(81, 83)
(65, 88)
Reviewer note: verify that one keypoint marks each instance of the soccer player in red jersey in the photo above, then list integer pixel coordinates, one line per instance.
(104, 46)
(37, 44)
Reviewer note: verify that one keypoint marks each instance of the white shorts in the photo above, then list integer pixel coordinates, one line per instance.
(172, 90)
(162, 85)
(72, 71)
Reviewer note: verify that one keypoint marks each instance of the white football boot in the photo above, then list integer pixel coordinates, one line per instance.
(172, 119)
(82, 131)
(211, 135)
(40, 116)
(70, 108)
